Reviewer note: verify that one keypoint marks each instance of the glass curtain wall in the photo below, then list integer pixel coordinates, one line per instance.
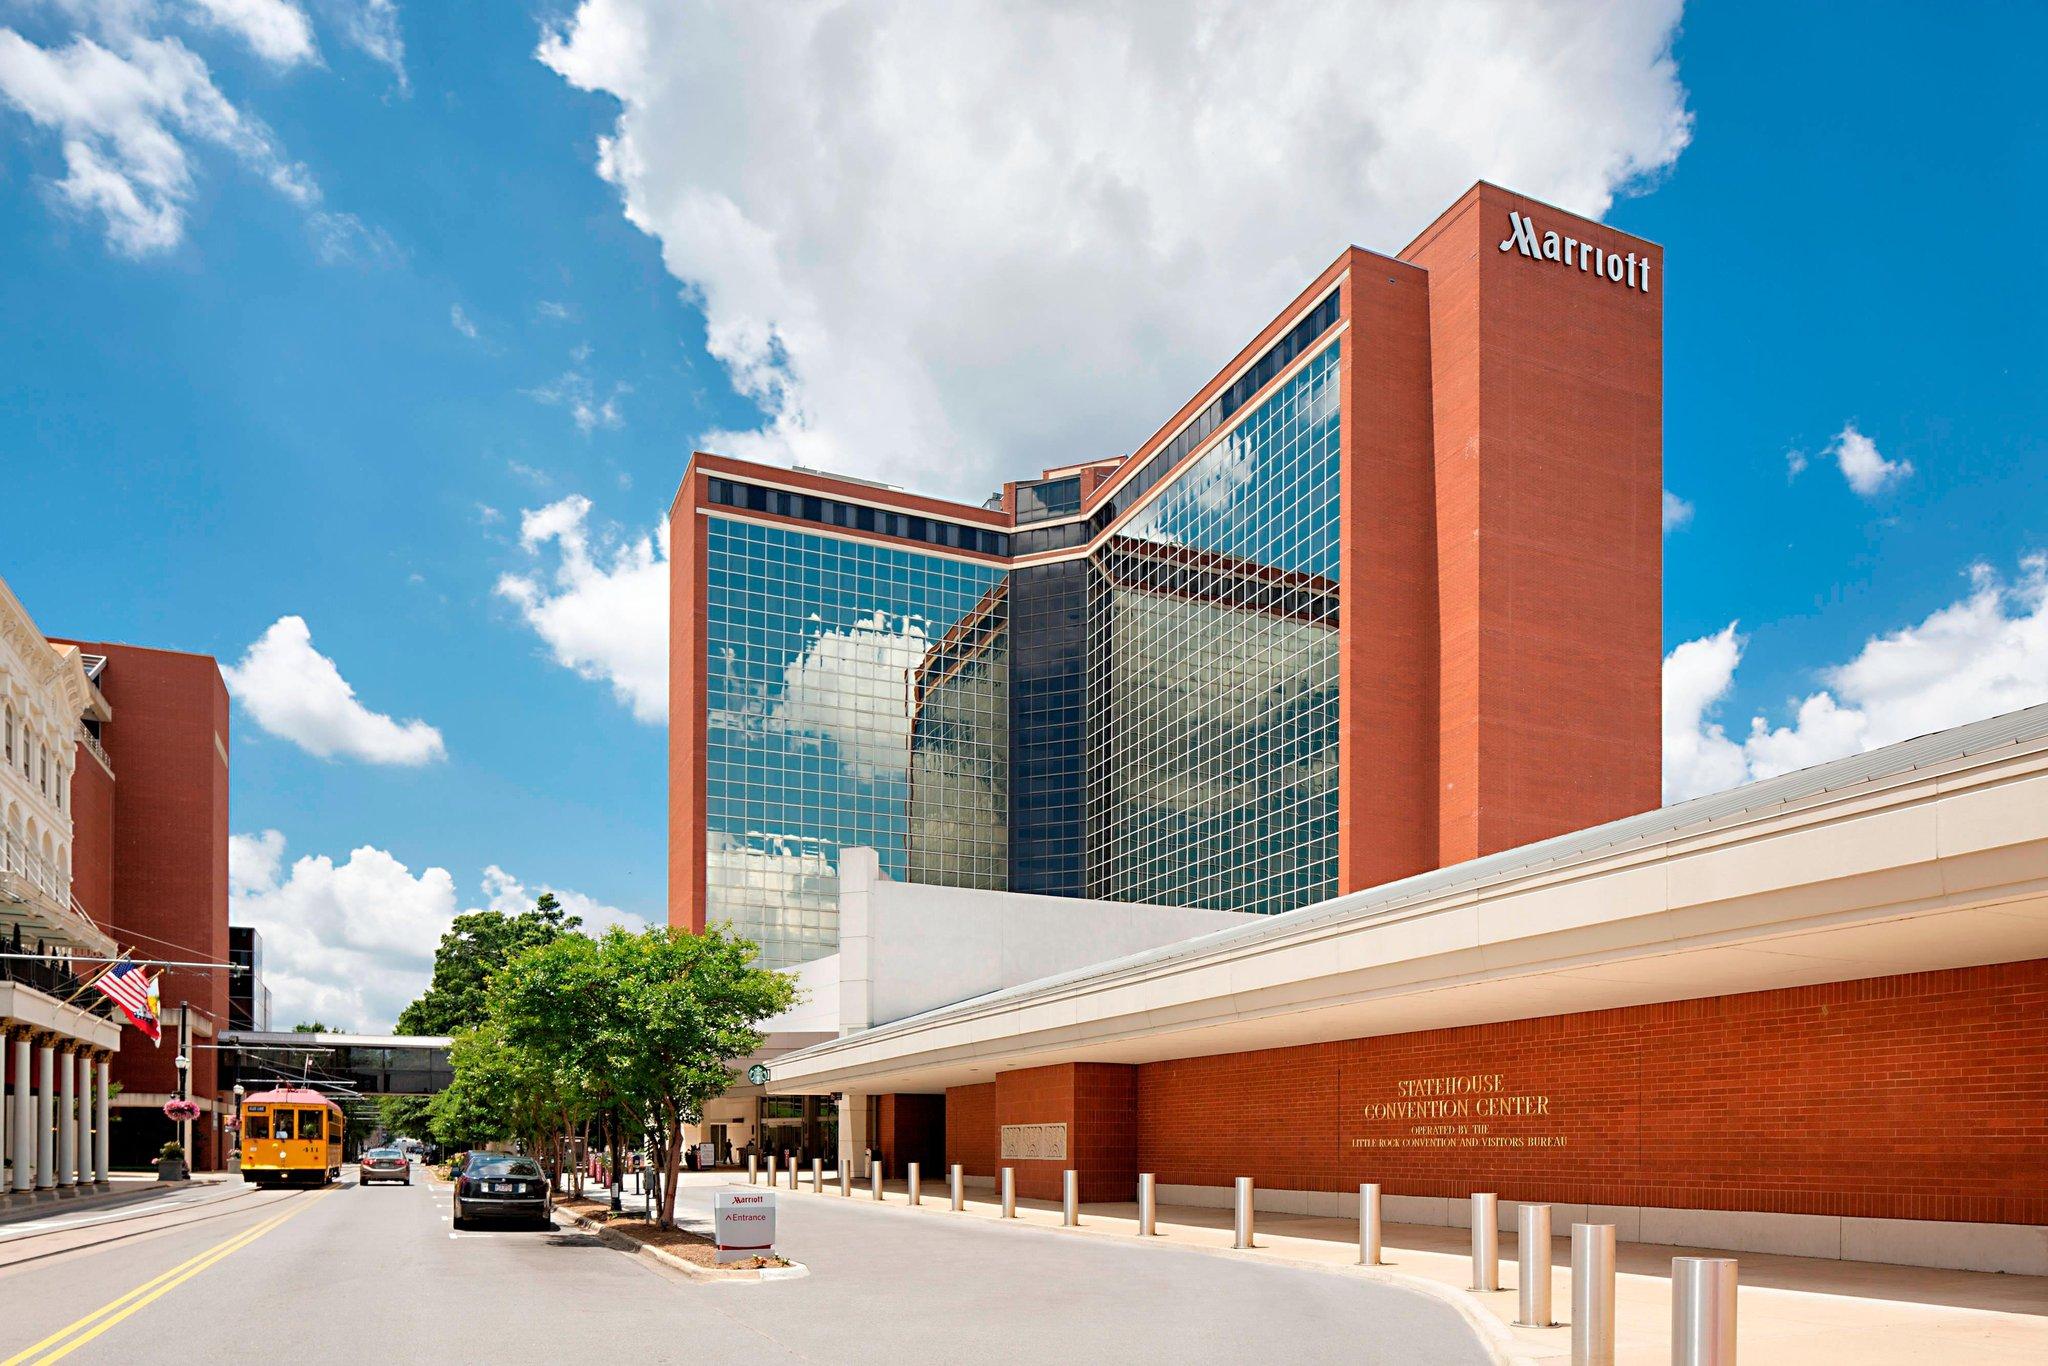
(850, 685)
(1212, 660)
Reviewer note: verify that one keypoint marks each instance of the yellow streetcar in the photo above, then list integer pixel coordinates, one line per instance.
(291, 1136)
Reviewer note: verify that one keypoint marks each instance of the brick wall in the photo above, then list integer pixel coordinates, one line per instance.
(1547, 393)
(169, 848)
(1922, 1096)
(973, 1134)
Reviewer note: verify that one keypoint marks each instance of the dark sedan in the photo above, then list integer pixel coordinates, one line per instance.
(501, 1186)
(384, 1164)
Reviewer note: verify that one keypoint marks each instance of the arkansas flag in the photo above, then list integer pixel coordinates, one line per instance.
(134, 991)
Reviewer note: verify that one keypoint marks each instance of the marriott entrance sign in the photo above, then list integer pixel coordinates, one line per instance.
(1621, 269)
(743, 1223)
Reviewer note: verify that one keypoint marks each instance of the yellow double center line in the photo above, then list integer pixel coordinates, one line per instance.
(73, 1336)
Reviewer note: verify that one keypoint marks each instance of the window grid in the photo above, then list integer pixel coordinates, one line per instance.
(1211, 772)
(857, 695)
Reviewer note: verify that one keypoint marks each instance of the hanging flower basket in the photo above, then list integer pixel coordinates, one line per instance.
(178, 1111)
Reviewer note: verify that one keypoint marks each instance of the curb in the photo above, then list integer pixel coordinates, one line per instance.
(795, 1271)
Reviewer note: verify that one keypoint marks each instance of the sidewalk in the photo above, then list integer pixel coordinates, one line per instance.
(124, 1188)
(1791, 1311)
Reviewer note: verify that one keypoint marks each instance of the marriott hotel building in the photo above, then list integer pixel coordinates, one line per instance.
(1281, 799)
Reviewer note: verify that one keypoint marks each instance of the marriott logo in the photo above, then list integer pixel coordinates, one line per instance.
(1630, 269)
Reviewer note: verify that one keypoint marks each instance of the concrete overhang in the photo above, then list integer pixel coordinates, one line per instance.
(1929, 854)
(25, 1006)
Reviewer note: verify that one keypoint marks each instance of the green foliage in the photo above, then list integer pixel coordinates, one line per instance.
(503, 1091)
(405, 1116)
(172, 1151)
(475, 948)
(312, 1027)
(649, 1021)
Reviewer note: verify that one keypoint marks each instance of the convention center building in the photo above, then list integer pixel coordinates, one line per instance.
(1281, 800)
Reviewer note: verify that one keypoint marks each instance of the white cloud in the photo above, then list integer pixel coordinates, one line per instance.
(351, 944)
(127, 108)
(968, 238)
(1867, 472)
(509, 895)
(576, 391)
(603, 610)
(1698, 755)
(849, 686)
(275, 30)
(461, 322)
(371, 27)
(1795, 465)
(1677, 511)
(1982, 655)
(293, 690)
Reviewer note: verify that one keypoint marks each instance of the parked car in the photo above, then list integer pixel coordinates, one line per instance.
(384, 1164)
(501, 1186)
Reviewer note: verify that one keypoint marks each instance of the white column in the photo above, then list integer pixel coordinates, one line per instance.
(24, 1125)
(103, 1133)
(82, 1158)
(853, 1132)
(67, 1117)
(46, 1105)
(6, 1111)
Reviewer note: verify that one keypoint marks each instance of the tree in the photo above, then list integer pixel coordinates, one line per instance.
(651, 1021)
(477, 945)
(501, 1090)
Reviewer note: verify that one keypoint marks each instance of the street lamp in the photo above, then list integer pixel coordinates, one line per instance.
(184, 1066)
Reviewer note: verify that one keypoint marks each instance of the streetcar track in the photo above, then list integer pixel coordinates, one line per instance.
(100, 1243)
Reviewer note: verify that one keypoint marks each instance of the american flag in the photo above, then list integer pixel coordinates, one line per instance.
(134, 991)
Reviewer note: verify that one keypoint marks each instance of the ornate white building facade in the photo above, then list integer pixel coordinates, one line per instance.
(54, 1064)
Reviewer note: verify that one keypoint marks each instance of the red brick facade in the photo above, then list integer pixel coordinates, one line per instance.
(1548, 430)
(1923, 1096)
(157, 839)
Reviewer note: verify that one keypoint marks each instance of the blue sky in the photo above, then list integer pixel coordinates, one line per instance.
(412, 272)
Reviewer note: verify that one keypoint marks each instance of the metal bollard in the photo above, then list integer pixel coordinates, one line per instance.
(1532, 1253)
(845, 1178)
(875, 1179)
(1148, 1205)
(1241, 1227)
(1592, 1295)
(1485, 1242)
(1070, 1197)
(959, 1187)
(1009, 1192)
(1702, 1311)
(817, 1176)
(753, 1169)
(915, 1182)
(1369, 1225)
(789, 1163)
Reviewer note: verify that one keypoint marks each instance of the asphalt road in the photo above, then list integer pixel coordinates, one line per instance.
(377, 1275)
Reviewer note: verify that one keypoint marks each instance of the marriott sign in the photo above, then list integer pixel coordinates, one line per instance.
(1630, 269)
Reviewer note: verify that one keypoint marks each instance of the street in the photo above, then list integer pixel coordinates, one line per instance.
(376, 1274)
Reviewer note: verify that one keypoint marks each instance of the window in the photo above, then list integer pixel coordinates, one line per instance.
(10, 733)
(281, 1126)
(309, 1124)
(256, 1126)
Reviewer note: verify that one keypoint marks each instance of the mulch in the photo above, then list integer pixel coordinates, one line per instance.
(693, 1248)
